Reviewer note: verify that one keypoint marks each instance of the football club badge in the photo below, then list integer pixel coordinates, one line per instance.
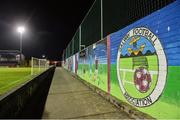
(141, 67)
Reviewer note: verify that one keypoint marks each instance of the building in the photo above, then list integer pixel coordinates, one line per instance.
(11, 58)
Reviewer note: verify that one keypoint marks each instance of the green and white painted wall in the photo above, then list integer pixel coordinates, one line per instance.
(139, 64)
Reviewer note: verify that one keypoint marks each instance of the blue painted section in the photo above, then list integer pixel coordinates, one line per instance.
(99, 52)
(165, 23)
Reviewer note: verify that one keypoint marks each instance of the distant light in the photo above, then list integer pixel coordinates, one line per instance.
(21, 29)
(43, 56)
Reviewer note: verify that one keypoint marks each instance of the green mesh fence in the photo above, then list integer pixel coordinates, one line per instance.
(76, 42)
(120, 13)
(91, 26)
(116, 14)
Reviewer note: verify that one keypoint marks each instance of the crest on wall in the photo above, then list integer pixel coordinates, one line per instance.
(141, 67)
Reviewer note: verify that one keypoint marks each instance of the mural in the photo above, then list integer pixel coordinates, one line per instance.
(145, 63)
(141, 79)
(138, 64)
(93, 64)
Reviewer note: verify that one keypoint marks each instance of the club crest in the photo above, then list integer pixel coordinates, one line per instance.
(141, 67)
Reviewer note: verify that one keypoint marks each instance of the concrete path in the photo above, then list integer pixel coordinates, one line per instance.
(69, 98)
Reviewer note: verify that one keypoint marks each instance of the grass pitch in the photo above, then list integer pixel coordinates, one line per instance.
(13, 77)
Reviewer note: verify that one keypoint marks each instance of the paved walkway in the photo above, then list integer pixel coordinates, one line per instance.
(69, 98)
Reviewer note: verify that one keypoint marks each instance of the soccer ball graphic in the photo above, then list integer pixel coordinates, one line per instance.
(142, 79)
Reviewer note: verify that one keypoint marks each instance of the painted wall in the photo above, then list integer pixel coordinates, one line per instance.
(139, 64)
(92, 64)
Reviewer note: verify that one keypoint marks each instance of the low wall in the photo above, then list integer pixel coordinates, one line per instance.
(27, 101)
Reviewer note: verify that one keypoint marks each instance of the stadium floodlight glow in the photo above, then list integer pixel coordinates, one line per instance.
(21, 29)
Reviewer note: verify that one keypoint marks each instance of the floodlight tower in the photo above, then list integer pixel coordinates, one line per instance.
(21, 30)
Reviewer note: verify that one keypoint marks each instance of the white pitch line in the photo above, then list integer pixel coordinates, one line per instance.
(128, 82)
(129, 70)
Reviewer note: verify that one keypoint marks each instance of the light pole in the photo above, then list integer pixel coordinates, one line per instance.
(20, 30)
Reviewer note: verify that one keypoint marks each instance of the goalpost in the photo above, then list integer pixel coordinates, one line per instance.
(38, 65)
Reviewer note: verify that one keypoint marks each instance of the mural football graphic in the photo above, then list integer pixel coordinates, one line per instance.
(141, 77)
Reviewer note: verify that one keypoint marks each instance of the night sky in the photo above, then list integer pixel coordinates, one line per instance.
(50, 25)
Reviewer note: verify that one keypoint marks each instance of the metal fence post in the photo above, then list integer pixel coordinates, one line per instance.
(102, 20)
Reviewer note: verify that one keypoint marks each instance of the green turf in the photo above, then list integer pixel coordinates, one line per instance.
(13, 77)
(172, 92)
